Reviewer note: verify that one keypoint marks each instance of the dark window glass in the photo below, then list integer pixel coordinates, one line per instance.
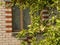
(26, 18)
(15, 18)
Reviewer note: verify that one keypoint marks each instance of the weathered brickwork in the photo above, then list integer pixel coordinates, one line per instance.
(2, 15)
(5, 17)
(6, 37)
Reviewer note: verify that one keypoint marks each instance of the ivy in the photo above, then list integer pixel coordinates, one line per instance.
(40, 32)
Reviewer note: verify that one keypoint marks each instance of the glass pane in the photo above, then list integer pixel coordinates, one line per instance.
(16, 18)
(26, 18)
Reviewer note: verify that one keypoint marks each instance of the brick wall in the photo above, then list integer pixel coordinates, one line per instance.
(2, 16)
(6, 26)
(8, 12)
(5, 17)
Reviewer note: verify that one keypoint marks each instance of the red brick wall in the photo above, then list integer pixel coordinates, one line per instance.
(5, 17)
(8, 16)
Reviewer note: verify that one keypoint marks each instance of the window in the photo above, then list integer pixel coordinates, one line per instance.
(26, 18)
(17, 23)
(20, 21)
(15, 18)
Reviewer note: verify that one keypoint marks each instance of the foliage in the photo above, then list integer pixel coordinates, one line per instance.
(52, 36)
(33, 28)
(50, 33)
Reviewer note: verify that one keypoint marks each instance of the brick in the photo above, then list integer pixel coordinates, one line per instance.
(8, 16)
(8, 21)
(8, 26)
(8, 12)
(6, 38)
(2, 26)
(2, 31)
(2, 16)
(7, 29)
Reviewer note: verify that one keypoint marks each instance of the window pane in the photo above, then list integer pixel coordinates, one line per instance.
(16, 18)
(26, 18)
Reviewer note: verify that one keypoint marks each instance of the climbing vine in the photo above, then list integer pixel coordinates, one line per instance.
(49, 29)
